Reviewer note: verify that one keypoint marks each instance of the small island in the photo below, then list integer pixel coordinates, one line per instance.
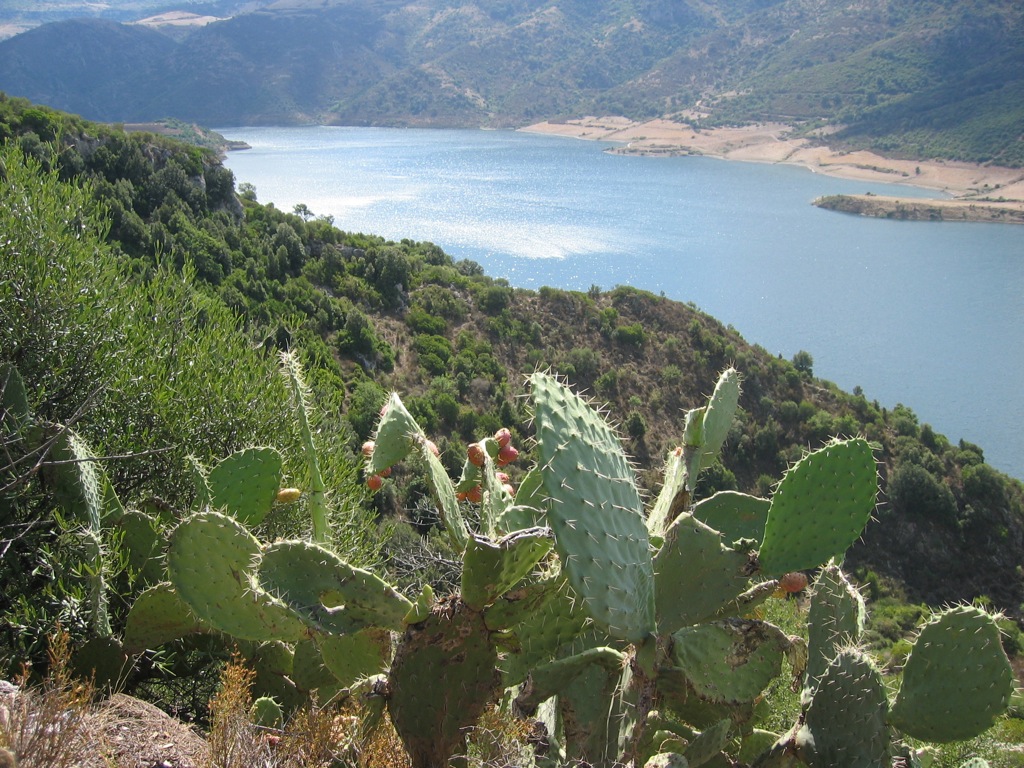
(882, 207)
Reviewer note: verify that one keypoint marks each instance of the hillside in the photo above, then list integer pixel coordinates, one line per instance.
(928, 79)
(371, 316)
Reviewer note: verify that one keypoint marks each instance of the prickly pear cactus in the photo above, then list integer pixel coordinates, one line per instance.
(835, 620)
(820, 507)
(594, 510)
(957, 680)
(442, 678)
(210, 561)
(245, 483)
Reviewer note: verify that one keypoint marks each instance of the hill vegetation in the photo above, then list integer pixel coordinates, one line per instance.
(924, 79)
(145, 302)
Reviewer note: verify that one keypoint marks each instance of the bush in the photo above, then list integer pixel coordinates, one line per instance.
(914, 490)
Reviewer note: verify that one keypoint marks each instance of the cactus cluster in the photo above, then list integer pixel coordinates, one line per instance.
(956, 682)
(628, 629)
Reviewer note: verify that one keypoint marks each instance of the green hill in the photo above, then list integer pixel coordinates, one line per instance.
(924, 79)
(142, 371)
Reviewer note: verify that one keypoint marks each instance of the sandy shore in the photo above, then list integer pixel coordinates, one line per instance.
(770, 143)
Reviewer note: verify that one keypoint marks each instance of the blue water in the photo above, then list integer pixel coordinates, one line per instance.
(926, 314)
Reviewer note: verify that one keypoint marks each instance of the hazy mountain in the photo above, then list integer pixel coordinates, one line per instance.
(931, 77)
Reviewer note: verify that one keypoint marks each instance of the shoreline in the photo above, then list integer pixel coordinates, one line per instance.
(965, 183)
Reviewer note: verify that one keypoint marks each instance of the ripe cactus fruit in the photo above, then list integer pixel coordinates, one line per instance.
(793, 582)
(957, 679)
(375, 482)
(507, 455)
(595, 511)
(288, 495)
(503, 437)
(476, 453)
(820, 507)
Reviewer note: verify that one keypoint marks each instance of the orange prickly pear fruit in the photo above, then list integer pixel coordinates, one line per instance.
(288, 495)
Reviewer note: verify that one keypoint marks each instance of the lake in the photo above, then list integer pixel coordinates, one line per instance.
(929, 314)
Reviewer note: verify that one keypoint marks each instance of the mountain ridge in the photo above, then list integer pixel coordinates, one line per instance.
(930, 80)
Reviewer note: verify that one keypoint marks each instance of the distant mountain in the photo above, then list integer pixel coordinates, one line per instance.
(928, 78)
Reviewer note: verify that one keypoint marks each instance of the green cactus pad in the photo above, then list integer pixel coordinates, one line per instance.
(708, 744)
(730, 661)
(156, 617)
(104, 661)
(442, 679)
(309, 673)
(554, 623)
(957, 680)
(735, 515)
(211, 561)
(353, 657)
(667, 760)
(395, 436)
(327, 593)
(718, 414)
(266, 712)
(844, 725)
(669, 503)
(595, 511)
(835, 620)
(492, 568)
(444, 494)
(15, 411)
(552, 678)
(695, 574)
(820, 507)
(591, 708)
(245, 483)
(141, 541)
(273, 664)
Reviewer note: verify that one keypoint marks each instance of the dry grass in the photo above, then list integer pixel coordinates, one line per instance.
(49, 726)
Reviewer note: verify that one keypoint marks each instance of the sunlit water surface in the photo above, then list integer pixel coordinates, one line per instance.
(927, 314)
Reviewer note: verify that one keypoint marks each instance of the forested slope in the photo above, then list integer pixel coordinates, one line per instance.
(142, 360)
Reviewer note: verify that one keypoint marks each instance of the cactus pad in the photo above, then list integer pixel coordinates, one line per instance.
(442, 679)
(245, 484)
(156, 617)
(492, 568)
(444, 495)
(719, 413)
(210, 561)
(735, 515)
(695, 574)
(730, 661)
(820, 507)
(353, 657)
(835, 620)
(708, 744)
(957, 679)
(844, 725)
(394, 439)
(327, 593)
(595, 511)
